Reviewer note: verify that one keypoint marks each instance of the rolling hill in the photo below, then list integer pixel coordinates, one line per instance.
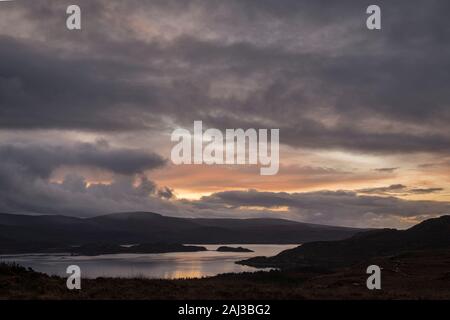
(24, 233)
(432, 234)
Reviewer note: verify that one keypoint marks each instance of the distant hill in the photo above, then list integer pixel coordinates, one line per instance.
(24, 233)
(429, 235)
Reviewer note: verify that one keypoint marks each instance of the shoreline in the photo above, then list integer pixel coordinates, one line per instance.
(414, 275)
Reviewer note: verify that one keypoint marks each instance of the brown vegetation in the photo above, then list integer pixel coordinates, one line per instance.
(413, 275)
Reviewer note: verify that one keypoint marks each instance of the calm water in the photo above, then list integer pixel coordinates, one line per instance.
(161, 265)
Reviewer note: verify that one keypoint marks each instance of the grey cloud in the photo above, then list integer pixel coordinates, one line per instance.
(40, 89)
(166, 193)
(393, 188)
(331, 207)
(23, 193)
(427, 165)
(445, 163)
(387, 170)
(425, 190)
(309, 68)
(308, 60)
(41, 160)
(398, 189)
(25, 172)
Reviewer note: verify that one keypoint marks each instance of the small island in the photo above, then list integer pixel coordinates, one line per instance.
(233, 249)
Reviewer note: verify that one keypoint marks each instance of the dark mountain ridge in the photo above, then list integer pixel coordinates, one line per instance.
(24, 233)
(430, 234)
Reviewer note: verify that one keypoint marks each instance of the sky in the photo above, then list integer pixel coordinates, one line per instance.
(86, 115)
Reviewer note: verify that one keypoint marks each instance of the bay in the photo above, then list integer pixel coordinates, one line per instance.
(173, 265)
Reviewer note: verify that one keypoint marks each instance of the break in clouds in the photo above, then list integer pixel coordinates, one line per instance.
(139, 69)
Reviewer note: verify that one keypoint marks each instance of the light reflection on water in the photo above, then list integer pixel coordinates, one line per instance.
(161, 265)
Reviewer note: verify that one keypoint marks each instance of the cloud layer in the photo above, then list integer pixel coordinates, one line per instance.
(42, 160)
(310, 69)
(25, 180)
(352, 106)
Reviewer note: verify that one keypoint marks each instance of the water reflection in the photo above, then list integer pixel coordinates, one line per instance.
(162, 265)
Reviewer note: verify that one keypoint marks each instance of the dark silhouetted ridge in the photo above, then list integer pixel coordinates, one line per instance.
(431, 234)
(25, 233)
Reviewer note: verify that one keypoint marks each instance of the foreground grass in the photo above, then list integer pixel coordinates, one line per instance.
(417, 275)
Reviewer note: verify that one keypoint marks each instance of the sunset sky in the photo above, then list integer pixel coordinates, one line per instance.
(86, 116)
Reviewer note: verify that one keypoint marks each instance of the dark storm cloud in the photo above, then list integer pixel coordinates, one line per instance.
(308, 68)
(22, 193)
(25, 193)
(333, 207)
(39, 89)
(41, 160)
(26, 186)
